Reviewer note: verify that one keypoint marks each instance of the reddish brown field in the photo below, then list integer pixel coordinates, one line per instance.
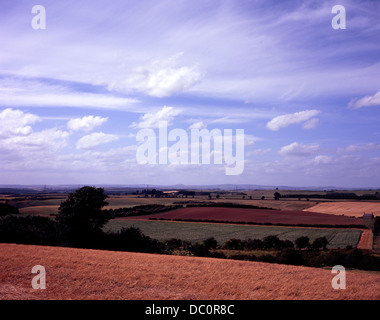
(348, 208)
(94, 274)
(254, 216)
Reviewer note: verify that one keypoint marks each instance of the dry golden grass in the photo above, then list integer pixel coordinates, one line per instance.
(93, 274)
(349, 208)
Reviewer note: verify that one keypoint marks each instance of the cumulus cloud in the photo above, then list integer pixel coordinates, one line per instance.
(152, 120)
(160, 78)
(16, 122)
(296, 149)
(94, 139)
(294, 118)
(87, 123)
(367, 101)
(21, 146)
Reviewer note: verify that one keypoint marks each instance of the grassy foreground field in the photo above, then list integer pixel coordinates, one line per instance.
(197, 232)
(93, 274)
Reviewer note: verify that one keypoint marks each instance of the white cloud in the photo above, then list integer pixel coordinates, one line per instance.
(311, 124)
(160, 78)
(21, 146)
(16, 92)
(94, 139)
(294, 118)
(198, 125)
(362, 147)
(250, 140)
(323, 159)
(296, 149)
(152, 120)
(367, 101)
(260, 152)
(87, 123)
(16, 122)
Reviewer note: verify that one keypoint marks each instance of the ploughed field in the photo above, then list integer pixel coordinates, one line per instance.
(94, 274)
(259, 216)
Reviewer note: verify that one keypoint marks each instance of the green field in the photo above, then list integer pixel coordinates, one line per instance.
(197, 232)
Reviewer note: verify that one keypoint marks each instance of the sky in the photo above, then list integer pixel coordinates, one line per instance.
(78, 87)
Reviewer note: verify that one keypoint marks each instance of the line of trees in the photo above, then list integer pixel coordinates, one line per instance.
(273, 242)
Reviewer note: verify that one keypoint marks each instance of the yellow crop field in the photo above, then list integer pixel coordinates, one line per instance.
(347, 208)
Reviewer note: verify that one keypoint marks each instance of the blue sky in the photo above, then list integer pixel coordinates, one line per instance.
(74, 95)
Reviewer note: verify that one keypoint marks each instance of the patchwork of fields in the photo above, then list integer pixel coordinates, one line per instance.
(94, 274)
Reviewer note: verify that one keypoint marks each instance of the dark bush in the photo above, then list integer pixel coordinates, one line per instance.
(333, 257)
(254, 244)
(210, 243)
(234, 244)
(287, 244)
(28, 230)
(272, 242)
(353, 258)
(290, 256)
(132, 239)
(6, 208)
(319, 243)
(199, 250)
(173, 244)
(302, 242)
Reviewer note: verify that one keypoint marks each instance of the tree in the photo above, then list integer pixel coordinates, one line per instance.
(321, 242)
(234, 244)
(210, 243)
(302, 242)
(277, 195)
(6, 208)
(272, 242)
(81, 214)
(254, 244)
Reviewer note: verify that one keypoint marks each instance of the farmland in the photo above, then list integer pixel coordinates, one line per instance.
(171, 272)
(255, 216)
(197, 232)
(92, 274)
(347, 208)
